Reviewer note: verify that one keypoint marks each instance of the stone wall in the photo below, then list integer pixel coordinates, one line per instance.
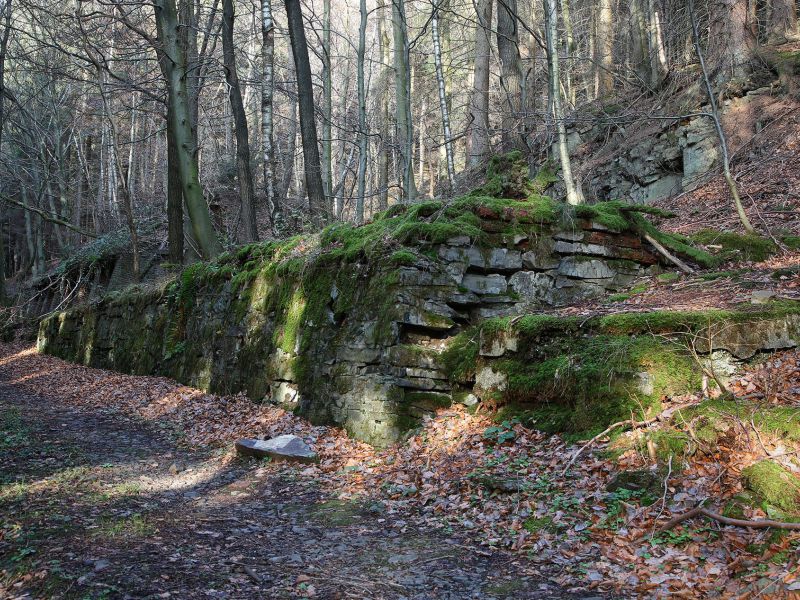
(354, 327)
(354, 343)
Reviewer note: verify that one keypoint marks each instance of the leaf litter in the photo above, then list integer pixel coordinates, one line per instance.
(501, 491)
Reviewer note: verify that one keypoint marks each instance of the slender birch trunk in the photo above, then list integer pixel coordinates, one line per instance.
(437, 57)
(267, 100)
(723, 143)
(574, 195)
(363, 138)
(383, 143)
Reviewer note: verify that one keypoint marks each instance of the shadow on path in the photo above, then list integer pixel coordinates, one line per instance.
(96, 505)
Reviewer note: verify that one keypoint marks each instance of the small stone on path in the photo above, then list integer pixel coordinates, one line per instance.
(288, 448)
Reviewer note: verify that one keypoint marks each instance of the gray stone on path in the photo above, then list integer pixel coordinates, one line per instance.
(289, 448)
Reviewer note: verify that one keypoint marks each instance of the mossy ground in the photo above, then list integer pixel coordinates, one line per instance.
(774, 485)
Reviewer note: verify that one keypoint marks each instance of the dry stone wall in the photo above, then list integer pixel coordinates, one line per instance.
(368, 362)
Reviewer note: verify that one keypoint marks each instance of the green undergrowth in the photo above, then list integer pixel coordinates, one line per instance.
(711, 419)
(631, 323)
(703, 426)
(580, 386)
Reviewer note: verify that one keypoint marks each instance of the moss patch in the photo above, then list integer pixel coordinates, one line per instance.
(735, 246)
(775, 485)
(597, 380)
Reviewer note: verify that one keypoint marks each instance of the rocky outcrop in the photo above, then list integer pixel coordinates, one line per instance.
(647, 160)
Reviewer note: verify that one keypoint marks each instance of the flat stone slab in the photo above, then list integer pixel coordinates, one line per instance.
(288, 448)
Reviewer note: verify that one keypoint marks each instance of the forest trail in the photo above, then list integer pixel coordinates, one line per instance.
(96, 504)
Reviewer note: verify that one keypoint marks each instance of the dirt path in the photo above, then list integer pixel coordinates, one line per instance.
(96, 505)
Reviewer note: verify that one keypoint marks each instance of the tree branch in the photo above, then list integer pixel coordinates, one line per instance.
(47, 216)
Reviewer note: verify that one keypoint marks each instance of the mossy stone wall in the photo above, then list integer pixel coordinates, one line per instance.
(347, 327)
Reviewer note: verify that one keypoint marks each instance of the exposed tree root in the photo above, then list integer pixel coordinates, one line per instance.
(699, 511)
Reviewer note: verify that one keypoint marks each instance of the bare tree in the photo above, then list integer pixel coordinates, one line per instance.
(308, 125)
(267, 110)
(246, 196)
(714, 115)
(443, 107)
(180, 119)
(405, 125)
(478, 140)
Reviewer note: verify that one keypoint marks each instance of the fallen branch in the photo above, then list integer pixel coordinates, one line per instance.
(632, 423)
(699, 511)
(667, 254)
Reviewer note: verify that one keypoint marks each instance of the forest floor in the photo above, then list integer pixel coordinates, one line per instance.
(125, 486)
(99, 501)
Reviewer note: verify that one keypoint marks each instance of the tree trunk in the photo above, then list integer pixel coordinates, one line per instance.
(5, 19)
(250, 227)
(640, 45)
(569, 49)
(180, 122)
(604, 51)
(327, 102)
(317, 203)
(510, 74)
(718, 124)
(174, 201)
(782, 22)
(478, 139)
(402, 74)
(658, 51)
(384, 147)
(574, 195)
(437, 58)
(363, 138)
(731, 41)
(267, 96)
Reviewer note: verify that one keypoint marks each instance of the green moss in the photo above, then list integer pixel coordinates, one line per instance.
(536, 325)
(545, 177)
(774, 484)
(668, 277)
(403, 257)
(791, 241)
(607, 214)
(618, 298)
(591, 382)
(720, 275)
(536, 524)
(736, 246)
(460, 358)
(669, 444)
(713, 417)
(786, 272)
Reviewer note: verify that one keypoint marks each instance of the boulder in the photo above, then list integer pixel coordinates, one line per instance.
(287, 448)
